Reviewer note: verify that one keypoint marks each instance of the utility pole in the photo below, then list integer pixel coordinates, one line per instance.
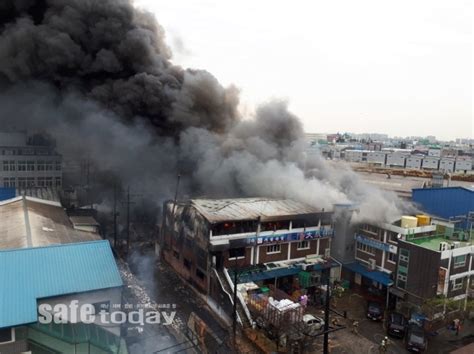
(115, 215)
(128, 219)
(128, 203)
(234, 312)
(176, 194)
(326, 318)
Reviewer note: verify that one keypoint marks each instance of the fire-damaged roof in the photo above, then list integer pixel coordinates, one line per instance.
(32, 222)
(219, 210)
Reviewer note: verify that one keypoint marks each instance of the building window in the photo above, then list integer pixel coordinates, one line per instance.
(364, 248)
(200, 274)
(40, 165)
(392, 257)
(22, 182)
(237, 253)
(273, 249)
(57, 182)
(30, 181)
(459, 261)
(41, 182)
(457, 284)
(9, 165)
(30, 165)
(9, 182)
(48, 181)
(58, 165)
(103, 306)
(21, 165)
(402, 269)
(187, 263)
(7, 335)
(392, 237)
(303, 245)
(48, 166)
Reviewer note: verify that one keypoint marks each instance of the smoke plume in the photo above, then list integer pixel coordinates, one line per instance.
(98, 77)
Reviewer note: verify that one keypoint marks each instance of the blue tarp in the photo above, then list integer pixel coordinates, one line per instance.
(378, 276)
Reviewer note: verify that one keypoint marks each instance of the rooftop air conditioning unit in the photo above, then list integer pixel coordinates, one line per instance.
(372, 264)
(456, 244)
(443, 246)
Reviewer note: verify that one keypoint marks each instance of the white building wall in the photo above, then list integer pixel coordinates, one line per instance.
(396, 159)
(414, 162)
(431, 163)
(446, 165)
(376, 157)
(463, 165)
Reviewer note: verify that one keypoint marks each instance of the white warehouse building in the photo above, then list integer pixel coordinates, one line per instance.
(431, 163)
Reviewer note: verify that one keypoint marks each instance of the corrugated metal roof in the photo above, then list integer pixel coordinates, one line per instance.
(32, 222)
(218, 210)
(29, 274)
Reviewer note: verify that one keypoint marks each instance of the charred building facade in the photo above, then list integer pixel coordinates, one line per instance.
(268, 241)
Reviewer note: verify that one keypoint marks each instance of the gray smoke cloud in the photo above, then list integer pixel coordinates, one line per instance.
(97, 76)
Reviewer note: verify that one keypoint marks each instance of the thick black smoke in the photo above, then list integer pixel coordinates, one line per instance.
(97, 76)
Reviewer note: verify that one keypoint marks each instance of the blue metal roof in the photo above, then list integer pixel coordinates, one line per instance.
(29, 274)
(376, 275)
(445, 202)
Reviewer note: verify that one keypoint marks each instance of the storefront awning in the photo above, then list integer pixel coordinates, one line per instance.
(375, 275)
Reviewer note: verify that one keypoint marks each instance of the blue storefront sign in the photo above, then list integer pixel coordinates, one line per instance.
(292, 236)
(375, 243)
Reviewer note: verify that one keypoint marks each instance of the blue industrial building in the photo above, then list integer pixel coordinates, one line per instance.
(447, 202)
(7, 193)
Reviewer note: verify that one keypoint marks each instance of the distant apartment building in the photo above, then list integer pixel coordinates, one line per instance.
(24, 164)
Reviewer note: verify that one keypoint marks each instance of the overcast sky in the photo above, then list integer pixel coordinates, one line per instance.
(396, 67)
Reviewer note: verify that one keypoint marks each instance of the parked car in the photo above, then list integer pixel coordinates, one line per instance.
(374, 311)
(416, 339)
(312, 323)
(397, 325)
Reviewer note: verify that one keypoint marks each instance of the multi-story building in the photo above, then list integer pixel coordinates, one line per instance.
(24, 163)
(273, 240)
(436, 265)
(375, 254)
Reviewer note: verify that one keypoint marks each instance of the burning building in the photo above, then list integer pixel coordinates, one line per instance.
(274, 243)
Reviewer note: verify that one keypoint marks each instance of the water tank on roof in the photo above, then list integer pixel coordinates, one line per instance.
(409, 222)
(423, 220)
